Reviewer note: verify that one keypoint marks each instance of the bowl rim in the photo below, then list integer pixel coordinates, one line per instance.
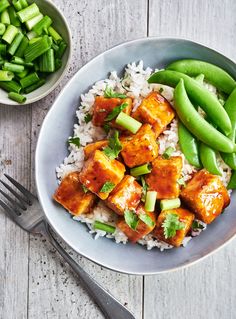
(35, 99)
(116, 269)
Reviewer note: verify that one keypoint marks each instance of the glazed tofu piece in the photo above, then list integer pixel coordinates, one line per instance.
(206, 196)
(99, 171)
(155, 110)
(142, 228)
(184, 216)
(90, 148)
(164, 177)
(126, 195)
(139, 148)
(71, 195)
(103, 107)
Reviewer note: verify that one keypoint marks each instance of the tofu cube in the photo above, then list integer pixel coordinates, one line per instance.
(185, 216)
(70, 194)
(206, 196)
(98, 170)
(142, 228)
(90, 148)
(104, 106)
(155, 110)
(164, 177)
(126, 195)
(139, 148)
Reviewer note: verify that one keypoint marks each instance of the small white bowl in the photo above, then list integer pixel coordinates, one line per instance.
(61, 25)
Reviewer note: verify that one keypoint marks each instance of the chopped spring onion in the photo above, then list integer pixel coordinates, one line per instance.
(10, 34)
(28, 12)
(2, 28)
(30, 35)
(21, 61)
(6, 75)
(13, 67)
(29, 80)
(19, 4)
(58, 64)
(56, 36)
(150, 201)
(166, 204)
(168, 152)
(36, 49)
(5, 18)
(61, 50)
(10, 86)
(35, 86)
(3, 5)
(31, 41)
(42, 25)
(32, 22)
(105, 227)
(13, 17)
(140, 170)
(3, 50)
(128, 122)
(22, 74)
(22, 47)
(15, 43)
(47, 61)
(16, 97)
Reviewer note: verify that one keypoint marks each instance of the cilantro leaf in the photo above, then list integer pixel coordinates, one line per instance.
(116, 111)
(88, 117)
(144, 190)
(114, 146)
(107, 187)
(109, 93)
(85, 189)
(75, 141)
(131, 219)
(196, 225)
(147, 220)
(171, 224)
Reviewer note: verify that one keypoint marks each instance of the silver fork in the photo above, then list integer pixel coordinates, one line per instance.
(26, 212)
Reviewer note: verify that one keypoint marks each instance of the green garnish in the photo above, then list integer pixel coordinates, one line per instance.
(85, 189)
(196, 225)
(168, 152)
(114, 146)
(107, 187)
(144, 190)
(75, 141)
(109, 93)
(131, 219)
(147, 220)
(105, 227)
(106, 127)
(88, 117)
(181, 182)
(171, 224)
(116, 111)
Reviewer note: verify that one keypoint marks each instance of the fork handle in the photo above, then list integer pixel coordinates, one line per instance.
(111, 308)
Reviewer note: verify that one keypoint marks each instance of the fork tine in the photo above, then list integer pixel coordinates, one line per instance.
(8, 210)
(21, 188)
(16, 205)
(20, 198)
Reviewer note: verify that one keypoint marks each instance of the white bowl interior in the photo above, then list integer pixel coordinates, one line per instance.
(52, 148)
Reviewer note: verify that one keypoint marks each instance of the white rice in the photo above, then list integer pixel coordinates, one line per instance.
(133, 83)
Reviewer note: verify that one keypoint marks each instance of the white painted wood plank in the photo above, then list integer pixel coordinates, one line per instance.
(53, 290)
(14, 160)
(206, 290)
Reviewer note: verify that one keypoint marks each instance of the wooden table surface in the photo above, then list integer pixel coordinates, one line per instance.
(34, 282)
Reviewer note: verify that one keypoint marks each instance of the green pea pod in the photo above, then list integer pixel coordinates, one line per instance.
(213, 74)
(200, 78)
(232, 182)
(208, 159)
(230, 107)
(197, 125)
(189, 146)
(198, 95)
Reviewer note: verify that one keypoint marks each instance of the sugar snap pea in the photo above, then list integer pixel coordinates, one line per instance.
(230, 107)
(197, 125)
(213, 74)
(209, 159)
(198, 95)
(188, 145)
(232, 182)
(200, 78)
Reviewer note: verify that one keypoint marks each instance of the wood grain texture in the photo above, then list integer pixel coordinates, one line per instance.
(205, 290)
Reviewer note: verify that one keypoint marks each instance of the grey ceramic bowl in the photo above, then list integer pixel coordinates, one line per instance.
(52, 148)
(59, 21)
